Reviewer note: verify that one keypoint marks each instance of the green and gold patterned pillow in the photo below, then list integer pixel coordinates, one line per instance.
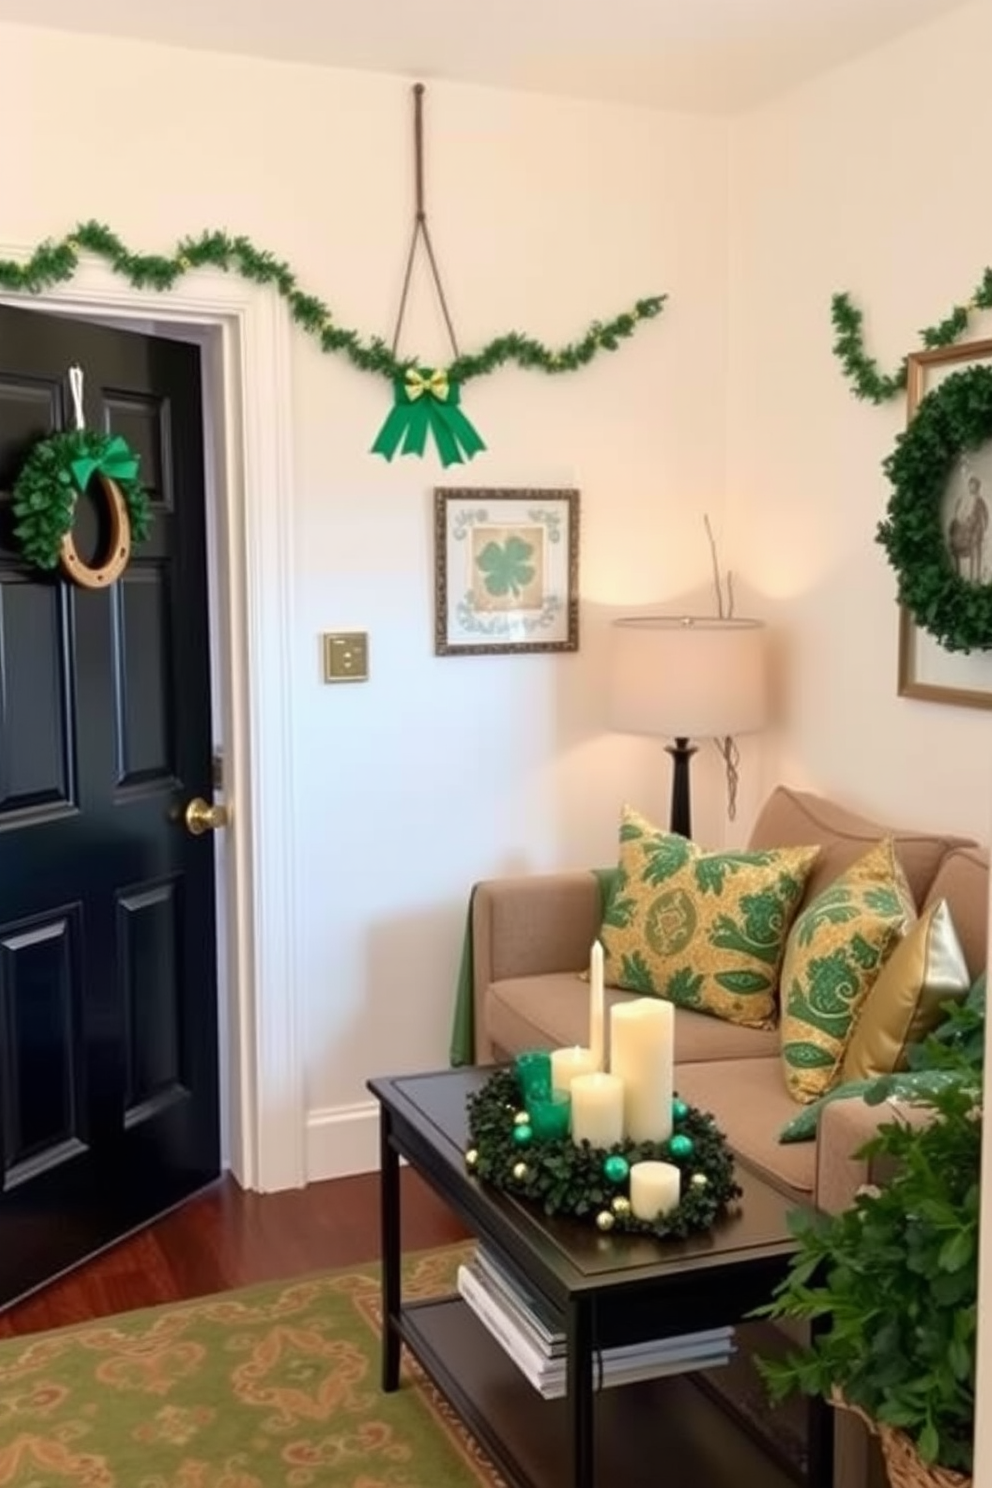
(834, 954)
(706, 930)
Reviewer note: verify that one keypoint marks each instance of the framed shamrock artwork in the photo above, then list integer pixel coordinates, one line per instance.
(506, 571)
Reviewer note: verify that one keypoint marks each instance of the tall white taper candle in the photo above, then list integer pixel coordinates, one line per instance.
(597, 1006)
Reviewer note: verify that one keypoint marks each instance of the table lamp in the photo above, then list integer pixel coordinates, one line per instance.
(687, 677)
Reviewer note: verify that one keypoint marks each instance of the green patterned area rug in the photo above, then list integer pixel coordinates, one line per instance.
(274, 1386)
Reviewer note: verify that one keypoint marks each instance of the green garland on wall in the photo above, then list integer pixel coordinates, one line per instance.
(53, 263)
(863, 372)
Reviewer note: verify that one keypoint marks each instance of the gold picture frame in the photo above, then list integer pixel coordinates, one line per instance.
(506, 571)
(926, 670)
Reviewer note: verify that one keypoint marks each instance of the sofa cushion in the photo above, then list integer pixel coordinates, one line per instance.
(926, 970)
(705, 930)
(552, 1012)
(750, 1104)
(795, 816)
(835, 951)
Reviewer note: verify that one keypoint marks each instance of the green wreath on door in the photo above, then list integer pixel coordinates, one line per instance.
(55, 474)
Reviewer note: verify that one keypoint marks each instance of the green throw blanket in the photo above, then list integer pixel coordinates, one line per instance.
(463, 1024)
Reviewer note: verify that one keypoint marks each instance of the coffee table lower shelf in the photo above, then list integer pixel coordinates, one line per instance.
(645, 1433)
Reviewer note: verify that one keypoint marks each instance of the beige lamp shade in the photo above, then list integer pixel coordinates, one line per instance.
(689, 677)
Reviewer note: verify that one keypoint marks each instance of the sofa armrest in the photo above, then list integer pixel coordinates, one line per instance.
(844, 1127)
(528, 926)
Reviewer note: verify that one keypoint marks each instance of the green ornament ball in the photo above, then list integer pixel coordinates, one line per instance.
(680, 1146)
(680, 1109)
(523, 1133)
(616, 1168)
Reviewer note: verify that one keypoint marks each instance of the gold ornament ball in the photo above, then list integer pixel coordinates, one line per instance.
(522, 1118)
(621, 1206)
(605, 1220)
(471, 1157)
(520, 1171)
(699, 1180)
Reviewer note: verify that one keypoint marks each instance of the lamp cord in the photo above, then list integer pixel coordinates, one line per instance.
(727, 747)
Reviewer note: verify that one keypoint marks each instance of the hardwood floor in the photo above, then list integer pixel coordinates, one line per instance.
(227, 1238)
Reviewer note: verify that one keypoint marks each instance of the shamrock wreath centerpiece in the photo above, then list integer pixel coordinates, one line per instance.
(54, 476)
(937, 554)
(594, 1183)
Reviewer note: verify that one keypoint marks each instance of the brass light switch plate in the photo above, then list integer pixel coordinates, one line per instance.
(346, 656)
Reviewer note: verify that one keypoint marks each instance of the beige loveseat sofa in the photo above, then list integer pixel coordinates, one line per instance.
(532, 935)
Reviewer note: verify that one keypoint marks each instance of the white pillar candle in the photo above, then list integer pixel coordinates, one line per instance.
(567, 1063)
(642, 1041)
(597, 1109)
(597, 1005)
(655, 1188)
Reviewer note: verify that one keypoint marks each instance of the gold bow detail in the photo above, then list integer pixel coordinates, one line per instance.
(436, 385)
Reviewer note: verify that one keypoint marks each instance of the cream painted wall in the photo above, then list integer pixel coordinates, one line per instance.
(871, 180)
(544, 215)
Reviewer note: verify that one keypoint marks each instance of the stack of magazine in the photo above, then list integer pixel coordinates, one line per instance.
(530, 1335)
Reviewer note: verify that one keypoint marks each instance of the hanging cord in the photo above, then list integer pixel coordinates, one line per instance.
(729, 751)
(76, 393)
(420, 229)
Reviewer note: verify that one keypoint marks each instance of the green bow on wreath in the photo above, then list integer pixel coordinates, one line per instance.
(115, 460)
(427, 403)
(55, 474)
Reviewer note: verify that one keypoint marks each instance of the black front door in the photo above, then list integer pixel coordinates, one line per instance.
(108, 1000)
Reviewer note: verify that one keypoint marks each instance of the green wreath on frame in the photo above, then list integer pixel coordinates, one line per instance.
(951, 421)
(590, 1182)
(55, 474)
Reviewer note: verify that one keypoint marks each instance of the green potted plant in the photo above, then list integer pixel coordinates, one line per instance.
(891, 1283)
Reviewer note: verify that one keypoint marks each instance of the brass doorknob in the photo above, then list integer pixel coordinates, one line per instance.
(202, 817)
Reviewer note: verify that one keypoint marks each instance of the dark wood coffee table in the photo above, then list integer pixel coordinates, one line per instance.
(607, 1290)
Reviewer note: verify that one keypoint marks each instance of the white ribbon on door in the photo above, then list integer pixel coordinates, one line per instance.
(76, 393)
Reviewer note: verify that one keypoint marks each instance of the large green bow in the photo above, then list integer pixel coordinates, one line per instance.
(427, 402)
(115, 460)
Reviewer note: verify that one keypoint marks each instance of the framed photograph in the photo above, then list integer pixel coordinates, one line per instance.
(926, 670)
(506, 571)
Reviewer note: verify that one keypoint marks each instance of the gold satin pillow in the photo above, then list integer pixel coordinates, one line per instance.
(926, 969)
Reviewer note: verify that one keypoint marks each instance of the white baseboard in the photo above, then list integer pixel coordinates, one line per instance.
(342, 1140)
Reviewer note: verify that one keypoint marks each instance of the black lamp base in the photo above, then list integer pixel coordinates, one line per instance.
(681, 818)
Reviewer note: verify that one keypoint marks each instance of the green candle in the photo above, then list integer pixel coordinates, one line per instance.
(549, 1118)
(533, 1069)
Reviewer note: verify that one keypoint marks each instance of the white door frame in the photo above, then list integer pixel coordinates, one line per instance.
(252, 573)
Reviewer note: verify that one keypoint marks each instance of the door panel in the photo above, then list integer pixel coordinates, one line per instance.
(108, 1000)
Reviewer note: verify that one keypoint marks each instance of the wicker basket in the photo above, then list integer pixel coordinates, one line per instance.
(902, 1461)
